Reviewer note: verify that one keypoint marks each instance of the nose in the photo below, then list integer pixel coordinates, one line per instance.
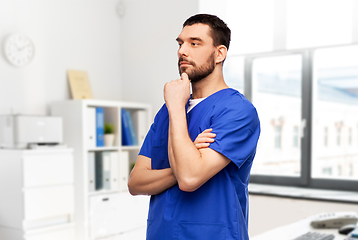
(183, 50)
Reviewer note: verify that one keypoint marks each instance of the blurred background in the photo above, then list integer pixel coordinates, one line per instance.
(296, 60)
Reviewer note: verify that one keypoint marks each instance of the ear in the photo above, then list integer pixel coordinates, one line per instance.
(221, 53)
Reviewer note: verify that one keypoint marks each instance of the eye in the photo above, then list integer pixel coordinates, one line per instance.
(194, 44)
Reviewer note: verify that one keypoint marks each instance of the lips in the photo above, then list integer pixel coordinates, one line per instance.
(184, 64)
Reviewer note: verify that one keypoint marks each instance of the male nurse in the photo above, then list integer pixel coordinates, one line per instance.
(196, 159)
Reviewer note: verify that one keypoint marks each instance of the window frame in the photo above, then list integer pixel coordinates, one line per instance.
(305, 179)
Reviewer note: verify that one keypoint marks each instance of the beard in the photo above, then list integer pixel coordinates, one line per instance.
(198, 72)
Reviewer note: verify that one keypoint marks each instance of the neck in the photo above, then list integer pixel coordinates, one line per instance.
(209, 85)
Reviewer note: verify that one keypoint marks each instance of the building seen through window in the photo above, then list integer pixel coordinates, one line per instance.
(276, 94)
(335, 105)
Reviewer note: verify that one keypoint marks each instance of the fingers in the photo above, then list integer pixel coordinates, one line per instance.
(206, 136)
(202, 145)
(204, 139)
(184, 77)
(207, 130)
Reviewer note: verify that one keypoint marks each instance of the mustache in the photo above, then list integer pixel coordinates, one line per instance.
(183, 59)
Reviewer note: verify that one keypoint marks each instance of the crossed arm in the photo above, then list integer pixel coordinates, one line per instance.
(144, 180)
(191, 164)
(192, 167)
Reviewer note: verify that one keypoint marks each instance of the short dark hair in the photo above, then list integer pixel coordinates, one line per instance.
(220, 32)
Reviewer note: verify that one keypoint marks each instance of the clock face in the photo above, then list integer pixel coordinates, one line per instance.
(19, 50)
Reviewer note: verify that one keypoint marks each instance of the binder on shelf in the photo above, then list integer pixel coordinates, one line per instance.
(123, 170)
(126, 135)
(91, 127)
(91, 172)
(106, 157)
(139, 120)
(131, 129)
(99, 127)
(114, 170)
(102, 171)
(98, 171)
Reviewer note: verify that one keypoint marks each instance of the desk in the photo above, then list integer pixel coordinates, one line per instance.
(291, 231)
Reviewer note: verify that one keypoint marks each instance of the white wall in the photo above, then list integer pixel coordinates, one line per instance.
(76, 34)
(148, 47)
(127, 58)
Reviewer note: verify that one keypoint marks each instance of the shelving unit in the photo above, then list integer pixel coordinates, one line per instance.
(99, 213)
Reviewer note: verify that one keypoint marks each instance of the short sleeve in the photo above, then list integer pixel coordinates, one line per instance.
(237, 130)
(146, 149)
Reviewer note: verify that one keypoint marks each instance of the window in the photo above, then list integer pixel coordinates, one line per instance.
(278, 130)
(306, 96)
(327, 171)
(234, 72)
(295, 137)
(276, 94)
(325, 137)
(338, 136)
(335, 104)
(339, 170)
(306, 93)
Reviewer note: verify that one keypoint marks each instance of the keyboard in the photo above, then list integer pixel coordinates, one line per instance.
(315, 236)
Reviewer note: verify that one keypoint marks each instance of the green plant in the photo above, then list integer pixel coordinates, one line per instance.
(132, 166)
(108, 128)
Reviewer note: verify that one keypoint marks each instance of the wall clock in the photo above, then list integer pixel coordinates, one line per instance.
(19, 49)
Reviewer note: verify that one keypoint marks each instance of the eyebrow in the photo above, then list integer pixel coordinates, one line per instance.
(196, 39)
(192, 39)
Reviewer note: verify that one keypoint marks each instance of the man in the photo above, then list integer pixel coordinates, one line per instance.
(199, 188)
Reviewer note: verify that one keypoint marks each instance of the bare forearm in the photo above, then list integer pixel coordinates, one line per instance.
(184, 156)
(146, 181)
(191, 167)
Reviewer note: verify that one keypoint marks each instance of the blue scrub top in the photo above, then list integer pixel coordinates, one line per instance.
(218, 210)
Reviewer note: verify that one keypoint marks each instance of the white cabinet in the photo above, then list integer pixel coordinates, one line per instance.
(105, 215)
(37, 194)
(107, 210)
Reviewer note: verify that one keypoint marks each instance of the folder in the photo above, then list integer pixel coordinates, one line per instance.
(126, 135)
(106, 158)
(91, 171)
(91, 127)
(98, 171)
(139, 121)
(123, 170)
(114, 170)
(131, 129)
(99, 127)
